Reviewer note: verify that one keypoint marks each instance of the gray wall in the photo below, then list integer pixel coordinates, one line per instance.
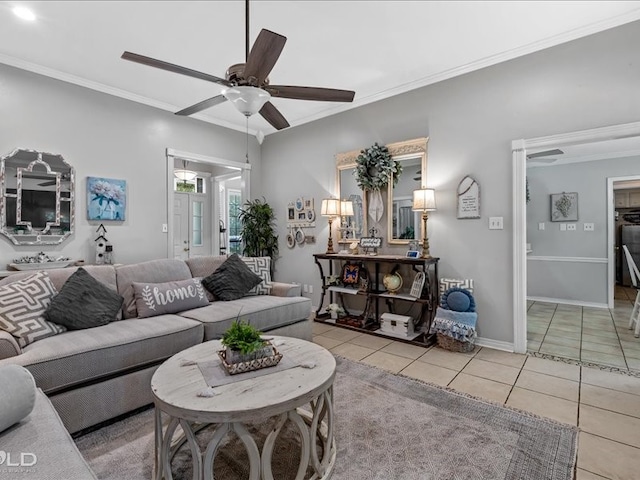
(102, 135)
(573, 281)
(471, 121)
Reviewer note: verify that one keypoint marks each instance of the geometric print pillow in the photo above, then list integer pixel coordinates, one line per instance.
(22, 307)
(261, 266)
(447, 283)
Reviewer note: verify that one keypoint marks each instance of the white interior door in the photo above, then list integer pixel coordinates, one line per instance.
(192, 226)
(181, 226)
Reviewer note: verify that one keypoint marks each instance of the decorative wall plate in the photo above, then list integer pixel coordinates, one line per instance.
(299, 204)
(311, 215)
(291, 241)
(300, 236)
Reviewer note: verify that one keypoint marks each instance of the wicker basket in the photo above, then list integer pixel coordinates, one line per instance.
(454, 345)
(250, 365)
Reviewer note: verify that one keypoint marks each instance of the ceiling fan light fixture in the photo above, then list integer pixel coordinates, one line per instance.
(247, 100)
(185, 175)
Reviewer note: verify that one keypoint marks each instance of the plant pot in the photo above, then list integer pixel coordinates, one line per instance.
(235, 356)
(334, 315)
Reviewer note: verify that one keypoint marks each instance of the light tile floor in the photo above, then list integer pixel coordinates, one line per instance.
(596, 335)
(604, 405)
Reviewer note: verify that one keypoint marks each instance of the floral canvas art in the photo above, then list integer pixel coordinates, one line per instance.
(564, 207)
(106, 198)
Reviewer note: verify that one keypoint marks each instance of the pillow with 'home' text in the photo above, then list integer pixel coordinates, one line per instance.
(170, 297)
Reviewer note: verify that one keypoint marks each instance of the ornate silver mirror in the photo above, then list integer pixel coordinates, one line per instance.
(37, 198)
(403, 223)
(351, 227)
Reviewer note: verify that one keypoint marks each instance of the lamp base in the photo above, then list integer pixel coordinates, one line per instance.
(425, 242)
(330, 242)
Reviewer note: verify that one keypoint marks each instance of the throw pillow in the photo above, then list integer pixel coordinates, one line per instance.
(170, 297)
(84, 302)
(458, 299)
(261, 266)
(22, 307)
(447, 283)
(232, 280)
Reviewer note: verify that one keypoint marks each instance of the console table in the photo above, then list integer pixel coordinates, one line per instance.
(369, 321)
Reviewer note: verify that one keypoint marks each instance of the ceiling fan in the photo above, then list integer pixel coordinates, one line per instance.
(65, 177)
(536, 157)
(247, 84)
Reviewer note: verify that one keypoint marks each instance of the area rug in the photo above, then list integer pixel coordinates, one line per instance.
(387, 427)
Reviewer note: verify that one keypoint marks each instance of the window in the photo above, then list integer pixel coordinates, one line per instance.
(197, 209)
(196, 185)
(234, 202)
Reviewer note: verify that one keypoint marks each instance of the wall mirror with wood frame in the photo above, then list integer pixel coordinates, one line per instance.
(351, 227)
(404, 225)
(37, 197)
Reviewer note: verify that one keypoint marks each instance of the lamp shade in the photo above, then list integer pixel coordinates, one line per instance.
(330, 207)
(247, 100)
(424, 199)
(184, 174)
(346, 208)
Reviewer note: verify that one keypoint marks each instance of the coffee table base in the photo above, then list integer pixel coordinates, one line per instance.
(318, 423)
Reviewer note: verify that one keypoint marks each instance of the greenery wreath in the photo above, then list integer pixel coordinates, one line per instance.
(374, 165)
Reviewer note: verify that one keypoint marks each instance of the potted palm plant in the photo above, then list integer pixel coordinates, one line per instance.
(258, 231)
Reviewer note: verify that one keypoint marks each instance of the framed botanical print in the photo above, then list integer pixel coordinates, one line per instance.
(564, 207)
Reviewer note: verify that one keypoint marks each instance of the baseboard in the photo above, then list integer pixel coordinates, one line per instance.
(496, 344)
(568, 302)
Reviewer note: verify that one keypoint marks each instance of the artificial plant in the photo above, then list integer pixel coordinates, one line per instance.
(258, 230)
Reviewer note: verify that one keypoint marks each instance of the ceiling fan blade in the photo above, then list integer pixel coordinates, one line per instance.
(170, 67)
(209, 102)
(272, 115)
(47, 184)
(311, 93)
(263, 56)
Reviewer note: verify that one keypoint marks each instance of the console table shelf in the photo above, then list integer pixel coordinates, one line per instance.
(369, 321)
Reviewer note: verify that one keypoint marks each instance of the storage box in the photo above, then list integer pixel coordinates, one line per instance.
(393, 323)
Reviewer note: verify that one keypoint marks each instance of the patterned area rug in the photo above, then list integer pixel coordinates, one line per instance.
(387, 427)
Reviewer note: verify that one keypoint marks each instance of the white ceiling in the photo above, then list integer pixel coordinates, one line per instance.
(377, 48)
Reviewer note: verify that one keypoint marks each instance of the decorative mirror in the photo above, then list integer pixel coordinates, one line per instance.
(351, 227)
(37, 197)
(404, 224)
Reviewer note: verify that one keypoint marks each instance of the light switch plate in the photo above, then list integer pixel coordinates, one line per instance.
(571, 227)
(563, 227)
(589, 227)
(496, 223)
(541, 226)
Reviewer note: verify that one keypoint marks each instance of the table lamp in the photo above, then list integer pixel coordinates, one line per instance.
(330, 208)
(424, 200)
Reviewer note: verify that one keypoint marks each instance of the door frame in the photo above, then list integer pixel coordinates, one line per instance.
(172, 155)
(519, 157)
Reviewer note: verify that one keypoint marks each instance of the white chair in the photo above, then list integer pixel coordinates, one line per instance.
(635, 277)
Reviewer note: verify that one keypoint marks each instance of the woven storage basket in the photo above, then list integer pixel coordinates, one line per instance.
(454, 345)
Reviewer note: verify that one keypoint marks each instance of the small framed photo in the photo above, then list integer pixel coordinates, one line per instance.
(302, 216)
(413, 254)
(308, 203)
(564, 207)
(291, 213)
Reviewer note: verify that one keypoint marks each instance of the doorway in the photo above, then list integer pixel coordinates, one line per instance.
(519, 153)
(194, 218)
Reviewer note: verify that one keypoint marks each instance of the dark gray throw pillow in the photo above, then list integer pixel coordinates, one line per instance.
(232, 280)
(83, 302)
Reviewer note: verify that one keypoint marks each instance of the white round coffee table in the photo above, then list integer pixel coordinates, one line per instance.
(177, 382)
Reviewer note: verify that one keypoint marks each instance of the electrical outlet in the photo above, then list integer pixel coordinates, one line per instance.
(571, 227)
(589, 227)
(165, 228)
(541, 226)
(563, 227)
(496, 223)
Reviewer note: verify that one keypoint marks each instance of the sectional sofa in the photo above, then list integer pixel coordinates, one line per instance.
(95, 374)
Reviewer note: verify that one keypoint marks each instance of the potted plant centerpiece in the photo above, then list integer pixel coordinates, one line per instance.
(246, 350)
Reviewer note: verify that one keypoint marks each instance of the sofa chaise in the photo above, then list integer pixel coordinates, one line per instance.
(95, 374)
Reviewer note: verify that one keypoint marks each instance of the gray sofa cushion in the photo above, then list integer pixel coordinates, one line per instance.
(78, 356)
(83, 302)
(264, 312)
(17, 395)
(105, 273)
(205, 266)
(43, 435)
(153, 271)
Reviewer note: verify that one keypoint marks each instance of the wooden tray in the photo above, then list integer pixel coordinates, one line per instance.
(257, 364)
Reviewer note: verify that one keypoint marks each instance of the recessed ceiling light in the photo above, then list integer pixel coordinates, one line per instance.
(24, 13)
